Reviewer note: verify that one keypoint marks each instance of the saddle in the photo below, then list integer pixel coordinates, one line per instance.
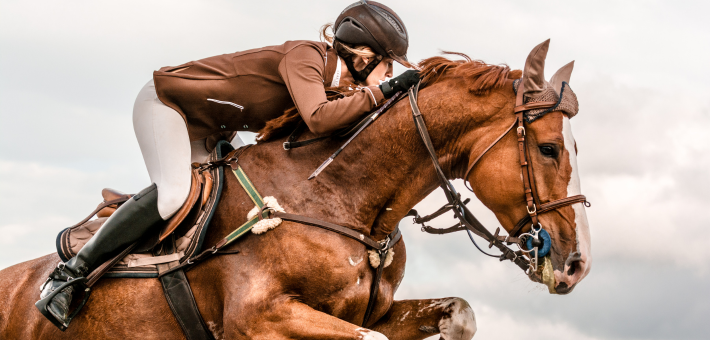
(179, 238)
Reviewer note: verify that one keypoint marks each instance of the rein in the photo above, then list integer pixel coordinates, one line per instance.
(467, 221)
(534, 240)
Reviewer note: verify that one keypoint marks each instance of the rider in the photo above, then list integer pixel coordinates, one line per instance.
(183, 111)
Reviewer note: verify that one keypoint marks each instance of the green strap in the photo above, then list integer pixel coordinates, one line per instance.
(243, 229)
(248, 186)
(255, 197)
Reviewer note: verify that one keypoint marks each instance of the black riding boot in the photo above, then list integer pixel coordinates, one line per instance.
(127, 224)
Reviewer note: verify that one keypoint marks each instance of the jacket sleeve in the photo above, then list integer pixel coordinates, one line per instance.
(303, 70)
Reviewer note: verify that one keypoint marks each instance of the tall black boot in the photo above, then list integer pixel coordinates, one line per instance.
(127, 224)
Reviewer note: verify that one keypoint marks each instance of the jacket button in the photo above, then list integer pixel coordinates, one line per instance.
(223, 126)
(246, 126)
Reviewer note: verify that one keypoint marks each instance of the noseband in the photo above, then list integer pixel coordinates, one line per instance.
(534, 243)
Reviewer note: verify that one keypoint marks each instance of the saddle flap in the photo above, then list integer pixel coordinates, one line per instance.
(179, 216)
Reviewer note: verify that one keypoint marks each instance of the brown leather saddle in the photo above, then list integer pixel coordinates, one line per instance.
(179, 238)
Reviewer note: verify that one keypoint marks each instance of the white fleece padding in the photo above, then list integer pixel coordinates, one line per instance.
(375, 258)
(266, 224)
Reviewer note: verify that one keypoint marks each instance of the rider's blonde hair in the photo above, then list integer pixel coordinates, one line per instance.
(360, 50)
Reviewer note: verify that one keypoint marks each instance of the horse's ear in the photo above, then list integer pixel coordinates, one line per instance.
(562, 75)
(534, 72)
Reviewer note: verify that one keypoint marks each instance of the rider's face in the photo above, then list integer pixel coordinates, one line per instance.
(382, 71)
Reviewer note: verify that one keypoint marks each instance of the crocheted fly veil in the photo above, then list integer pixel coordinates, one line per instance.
(537, 89)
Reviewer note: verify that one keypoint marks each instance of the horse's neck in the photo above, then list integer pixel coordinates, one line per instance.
(377, 179)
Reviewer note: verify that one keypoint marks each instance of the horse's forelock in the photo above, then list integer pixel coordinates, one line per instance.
(480, 77)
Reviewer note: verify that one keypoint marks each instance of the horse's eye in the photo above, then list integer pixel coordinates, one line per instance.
(548, 151)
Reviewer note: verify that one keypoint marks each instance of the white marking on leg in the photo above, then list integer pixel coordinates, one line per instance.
(459, 321)
(355, 262)
(440, 303)
(217, 332)
(404, 316)
(366, 334)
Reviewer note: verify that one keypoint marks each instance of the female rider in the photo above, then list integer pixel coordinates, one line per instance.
(183, 111)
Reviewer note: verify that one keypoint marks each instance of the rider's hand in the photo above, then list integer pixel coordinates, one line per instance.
(401, 82)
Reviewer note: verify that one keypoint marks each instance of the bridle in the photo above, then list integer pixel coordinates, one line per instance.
(530, 243)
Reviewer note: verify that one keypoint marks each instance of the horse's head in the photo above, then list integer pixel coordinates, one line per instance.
(551, 153)
(552, 157)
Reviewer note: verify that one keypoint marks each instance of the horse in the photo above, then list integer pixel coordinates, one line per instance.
(299, 281)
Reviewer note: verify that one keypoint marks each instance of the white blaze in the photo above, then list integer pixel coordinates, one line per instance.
(574, 188)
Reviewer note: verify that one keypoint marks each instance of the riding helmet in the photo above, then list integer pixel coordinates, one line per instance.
(375, 25)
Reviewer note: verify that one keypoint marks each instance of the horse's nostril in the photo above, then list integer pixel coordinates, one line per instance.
(574, 261)
(573, 268)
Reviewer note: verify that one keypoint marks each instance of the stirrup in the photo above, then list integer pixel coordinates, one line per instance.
(43, 303)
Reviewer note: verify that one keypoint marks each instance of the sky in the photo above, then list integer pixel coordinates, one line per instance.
(70, 72)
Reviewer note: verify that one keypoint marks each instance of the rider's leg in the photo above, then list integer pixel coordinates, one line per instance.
(165, 145)
(162, 136)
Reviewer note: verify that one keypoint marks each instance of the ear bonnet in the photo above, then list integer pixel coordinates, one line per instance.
(537, 89)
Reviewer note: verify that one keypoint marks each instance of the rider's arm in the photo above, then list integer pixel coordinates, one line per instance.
(303, 71)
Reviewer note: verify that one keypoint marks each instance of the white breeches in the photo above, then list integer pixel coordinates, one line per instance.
(166, 148)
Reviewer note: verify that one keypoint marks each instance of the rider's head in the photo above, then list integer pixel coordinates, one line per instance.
(369, 36)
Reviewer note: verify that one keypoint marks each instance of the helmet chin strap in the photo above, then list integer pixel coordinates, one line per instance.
(358, 76)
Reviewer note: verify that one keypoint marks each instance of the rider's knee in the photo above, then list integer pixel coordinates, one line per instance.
(170, 199)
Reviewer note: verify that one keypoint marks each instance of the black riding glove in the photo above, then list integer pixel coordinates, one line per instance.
(401, 82)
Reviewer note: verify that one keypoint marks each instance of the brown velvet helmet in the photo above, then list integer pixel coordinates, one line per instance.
(375, 25)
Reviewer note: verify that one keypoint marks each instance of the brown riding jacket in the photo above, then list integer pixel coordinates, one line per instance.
(242, 91)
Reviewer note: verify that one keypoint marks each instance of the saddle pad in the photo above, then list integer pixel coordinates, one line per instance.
(186, 241)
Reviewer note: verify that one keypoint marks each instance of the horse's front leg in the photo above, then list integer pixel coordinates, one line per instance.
(453, 318)
(291, 319)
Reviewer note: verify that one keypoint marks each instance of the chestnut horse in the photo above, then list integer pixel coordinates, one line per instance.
(299, 281)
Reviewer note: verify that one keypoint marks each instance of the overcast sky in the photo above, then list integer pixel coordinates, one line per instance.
(70, 71)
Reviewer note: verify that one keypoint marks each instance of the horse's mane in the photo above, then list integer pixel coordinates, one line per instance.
(481, 78)
(287, 122)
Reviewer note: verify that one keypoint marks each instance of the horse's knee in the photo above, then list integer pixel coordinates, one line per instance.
(366, 334)
(458, 321)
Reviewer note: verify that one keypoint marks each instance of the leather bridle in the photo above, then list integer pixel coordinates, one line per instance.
(467, 221)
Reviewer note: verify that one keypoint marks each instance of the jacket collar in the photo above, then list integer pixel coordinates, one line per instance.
(331, 66)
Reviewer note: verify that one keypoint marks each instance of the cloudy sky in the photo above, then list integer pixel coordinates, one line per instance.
(70, 71)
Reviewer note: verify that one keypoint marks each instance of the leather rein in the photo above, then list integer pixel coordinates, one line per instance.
(467, 221)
